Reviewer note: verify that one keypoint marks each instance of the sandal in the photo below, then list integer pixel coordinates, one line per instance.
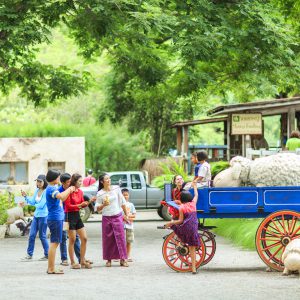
(123, 263)
(64, 263)
(56, 272)
(108, 264)
(89, 261)
(75, 266)
(86, 265)
(129, 260)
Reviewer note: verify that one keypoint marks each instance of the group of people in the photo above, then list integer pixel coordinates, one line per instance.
(57, 207)
(184, 220)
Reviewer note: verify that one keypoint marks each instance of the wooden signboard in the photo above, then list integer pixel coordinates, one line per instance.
(246, 124)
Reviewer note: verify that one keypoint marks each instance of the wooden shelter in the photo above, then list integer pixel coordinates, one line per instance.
(287, 108)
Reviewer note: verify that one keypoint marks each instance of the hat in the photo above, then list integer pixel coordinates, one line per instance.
(41, 177)
(52, 175)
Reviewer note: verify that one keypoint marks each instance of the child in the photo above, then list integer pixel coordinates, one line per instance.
(204, 175)
(197, 166)
(195, 161)
(56, 215)
(186, 227)
(128, 225)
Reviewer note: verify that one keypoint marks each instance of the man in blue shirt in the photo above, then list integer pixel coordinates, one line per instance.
(54, 199)
(65, 180)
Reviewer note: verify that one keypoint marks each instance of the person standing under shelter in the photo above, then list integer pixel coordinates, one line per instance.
(294, 141)
(89, 180)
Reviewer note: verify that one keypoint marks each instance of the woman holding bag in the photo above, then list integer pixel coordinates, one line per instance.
(73, 204)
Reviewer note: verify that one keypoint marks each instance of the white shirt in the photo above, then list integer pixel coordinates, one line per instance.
(204, 171)
(116, 200)
(130, 210)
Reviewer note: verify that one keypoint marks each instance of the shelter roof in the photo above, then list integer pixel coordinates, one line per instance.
(266, 107)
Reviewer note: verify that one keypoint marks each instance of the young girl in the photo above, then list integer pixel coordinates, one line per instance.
(73, 204)
(186, 227)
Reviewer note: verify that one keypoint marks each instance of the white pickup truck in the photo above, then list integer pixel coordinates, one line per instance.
(142, 195)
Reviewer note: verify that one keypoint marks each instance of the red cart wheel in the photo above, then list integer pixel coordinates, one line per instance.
(210, 245)
(274, 233)
(177, 256)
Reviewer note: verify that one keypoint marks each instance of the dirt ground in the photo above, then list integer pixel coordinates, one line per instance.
(232, 274)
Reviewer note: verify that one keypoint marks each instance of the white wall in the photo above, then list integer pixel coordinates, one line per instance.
(39, 151)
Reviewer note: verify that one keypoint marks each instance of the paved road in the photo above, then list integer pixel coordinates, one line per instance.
(232, 274)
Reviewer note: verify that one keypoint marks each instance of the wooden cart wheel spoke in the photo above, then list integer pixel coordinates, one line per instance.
(172, 248)
(271, 240)
(173, 254)
(277, 230)
(292, 227)
(296, 231)
(210, 245)
(181, 264)
(276, 252)
(271, 246)
(271, 233)
(296, 237)
(282, 224)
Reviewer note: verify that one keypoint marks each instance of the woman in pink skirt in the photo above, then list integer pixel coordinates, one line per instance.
(112, 203)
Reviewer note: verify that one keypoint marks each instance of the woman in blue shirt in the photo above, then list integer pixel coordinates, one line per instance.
(39, 222)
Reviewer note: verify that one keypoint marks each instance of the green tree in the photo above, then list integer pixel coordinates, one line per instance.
(166, 56)
(23, 26)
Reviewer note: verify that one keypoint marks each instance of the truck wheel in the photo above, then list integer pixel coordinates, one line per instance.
(85, 213)
(159, 211)
(165, 214)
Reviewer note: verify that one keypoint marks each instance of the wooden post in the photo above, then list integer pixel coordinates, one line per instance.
(185, 140)
(291, 121)
(228, 136)
(179, 140)
(185, 147)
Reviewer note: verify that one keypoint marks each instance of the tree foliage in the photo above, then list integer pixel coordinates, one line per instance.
(167, 56)
(23, 26)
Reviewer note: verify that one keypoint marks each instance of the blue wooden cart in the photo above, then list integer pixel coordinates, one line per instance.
(279, 207)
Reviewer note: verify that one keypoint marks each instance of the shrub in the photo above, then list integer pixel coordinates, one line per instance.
(169, 171)
(6, 202)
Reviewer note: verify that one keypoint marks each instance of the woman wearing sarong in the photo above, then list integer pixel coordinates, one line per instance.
(112, 203)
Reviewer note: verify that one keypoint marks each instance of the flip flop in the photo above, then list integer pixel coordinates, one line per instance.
(56, 272)
(89, 261)
(64, 263)
(123, 263)
(75, 266)
(86, 265)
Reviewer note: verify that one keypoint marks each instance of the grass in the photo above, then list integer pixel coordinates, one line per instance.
(239, 231)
